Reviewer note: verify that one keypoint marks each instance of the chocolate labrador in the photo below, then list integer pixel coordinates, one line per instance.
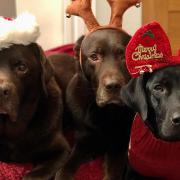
(30, 112)
(65, 67)
(102, 120)
(156, 97)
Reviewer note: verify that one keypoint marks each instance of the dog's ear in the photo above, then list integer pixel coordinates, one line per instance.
(47, 71)
(125, 38)
(133, 95)
(77, 46)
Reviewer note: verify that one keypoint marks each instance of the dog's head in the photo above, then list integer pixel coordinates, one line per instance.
(24, 73)
(102, 50)
(103, 64)
(156, 97)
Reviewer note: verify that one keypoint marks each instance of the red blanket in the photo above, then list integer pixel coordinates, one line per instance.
(88, 171)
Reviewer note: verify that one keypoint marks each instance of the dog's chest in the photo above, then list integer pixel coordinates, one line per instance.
(11, 152)
(112, 121)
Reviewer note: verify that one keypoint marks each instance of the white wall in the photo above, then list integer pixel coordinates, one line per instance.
(131, 20)
(56, 29)
(7, 8)
(75, 26)
(50, 18)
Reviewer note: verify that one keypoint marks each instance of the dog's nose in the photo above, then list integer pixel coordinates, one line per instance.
(112, 86)
(4, 90)
(176, 119)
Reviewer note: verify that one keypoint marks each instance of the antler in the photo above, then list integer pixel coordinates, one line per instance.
(118, 7)
(83, 9)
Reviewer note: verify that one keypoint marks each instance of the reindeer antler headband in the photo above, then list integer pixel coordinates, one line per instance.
(83, 9)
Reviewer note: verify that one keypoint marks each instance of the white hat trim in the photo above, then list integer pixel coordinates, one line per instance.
(22, 30)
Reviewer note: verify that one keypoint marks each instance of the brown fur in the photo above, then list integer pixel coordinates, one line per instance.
(31, 133)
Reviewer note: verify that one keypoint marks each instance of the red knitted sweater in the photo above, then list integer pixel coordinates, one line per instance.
(153, 157)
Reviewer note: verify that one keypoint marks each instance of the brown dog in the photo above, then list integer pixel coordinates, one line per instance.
(93, 97)
(30, 112)
(65, 67)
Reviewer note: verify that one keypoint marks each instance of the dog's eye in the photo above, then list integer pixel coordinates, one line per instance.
(158, 88)
(21, 67)
(93, 57)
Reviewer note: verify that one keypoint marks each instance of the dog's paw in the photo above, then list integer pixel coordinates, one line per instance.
(31, 178)
(61, 175)
(112, 178)
(107, 178)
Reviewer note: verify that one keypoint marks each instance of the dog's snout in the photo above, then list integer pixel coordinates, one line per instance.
(175, 119)
(112, 86)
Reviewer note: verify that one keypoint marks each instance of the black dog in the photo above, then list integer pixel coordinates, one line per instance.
(30, 112)
(93, 96)
(156, 97)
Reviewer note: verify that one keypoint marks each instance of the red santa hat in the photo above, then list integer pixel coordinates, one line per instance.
(22, 30)
(148, 50)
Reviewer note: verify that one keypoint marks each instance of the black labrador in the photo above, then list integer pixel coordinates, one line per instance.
(156, 97)
(30, 112)
(103, 121)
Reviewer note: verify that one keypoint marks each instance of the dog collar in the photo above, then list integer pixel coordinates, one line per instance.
(148, 50)
(22, 30)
